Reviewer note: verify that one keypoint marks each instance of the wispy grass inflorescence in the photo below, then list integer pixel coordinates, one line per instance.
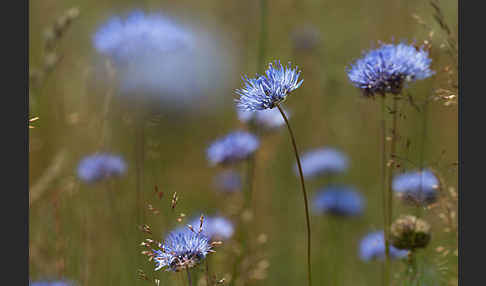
(417, 187)
(100, 166)
(323, 161)
(232, 148)
(216, 228)
(387, 68)
(339, 200)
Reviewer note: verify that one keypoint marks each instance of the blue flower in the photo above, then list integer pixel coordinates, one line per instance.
(339, 200)
(216, 228)
(228, 181)
(267, 119)
(100, 166)
(387, 68)
(52, 283)
(417, 187)
(265, 92)
(183, 248)
(322, 161)
(372, 247)
(232, 148)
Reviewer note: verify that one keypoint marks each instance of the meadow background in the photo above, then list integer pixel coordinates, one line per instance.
(75, 233)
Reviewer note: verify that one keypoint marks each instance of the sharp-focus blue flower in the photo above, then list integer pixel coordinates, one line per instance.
(216, 228)
(339, 200)
(267, 119)
(232, 148)
(183, 248)
(372, 247)
(388, 67)
(100, 166)
(228, 181)
(265, 92)
(52, 283)
(417, 187)
(322, 161)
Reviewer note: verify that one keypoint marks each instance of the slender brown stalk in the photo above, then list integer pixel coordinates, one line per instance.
(304, 193)
(384, 191)
(208, 277)
(189, 281)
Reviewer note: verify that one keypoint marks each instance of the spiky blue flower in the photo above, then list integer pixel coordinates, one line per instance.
(372, 247)
(216, 228)
(267, 119)
(228, 181)
(52, 283)
(182, 249)
(339, 200)
(387, 68)
(322, 161)
(419, 187)
(139, 35)
(266, 91)
(232, 148)
(100, 166)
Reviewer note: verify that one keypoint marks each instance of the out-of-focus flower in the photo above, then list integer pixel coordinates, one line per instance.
(52, 283)
(339, 200)
(322, 161)
(372, 247)
(232, 148)
(228, 181)
(265, 92)
(158, 57)
(216, 228)
(418, 187)
(182, 249)
(410, 232)
(305, 38)
(268, 119)
(387, 68)
(100, 166)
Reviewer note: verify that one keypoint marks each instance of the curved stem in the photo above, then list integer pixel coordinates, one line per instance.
(304, 193)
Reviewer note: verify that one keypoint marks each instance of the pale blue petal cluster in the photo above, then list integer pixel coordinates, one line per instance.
(52, 283)
(372, 247)
(266, 91)
(100, 166)
(183, 248)
(216, 228)
(322, 161)
(228, 181)
(420, 187)
(232, 148)
(339, 200)
(267, 119)
(387, 68)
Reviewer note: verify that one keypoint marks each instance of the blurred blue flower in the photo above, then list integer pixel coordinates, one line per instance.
(228, 181)
(267, 119)
(183, 248)
(322, 161)
(52, 283)
(161, 59)
(372, 247)
(265, 92)
(232, 148)
(216, 228)
(100, 166)
(339, 200)
(419, 187)
(388, 67)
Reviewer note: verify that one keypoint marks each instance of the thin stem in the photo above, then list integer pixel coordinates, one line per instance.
(208, 277)
(304, 193)
(189, 277)
(383, 189)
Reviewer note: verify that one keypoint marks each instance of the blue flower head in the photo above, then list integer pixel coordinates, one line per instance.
(419, 187)
(216, 228)
(182, 249)
(267, 119)
(232, 148)
(228, 181)
(372, 247)
(100, 166)
(52, 283)
(266, 91)
(387, 68)
(322, 161)
(339, 200)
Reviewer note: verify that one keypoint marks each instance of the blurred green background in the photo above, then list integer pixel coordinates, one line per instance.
(77, 234)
